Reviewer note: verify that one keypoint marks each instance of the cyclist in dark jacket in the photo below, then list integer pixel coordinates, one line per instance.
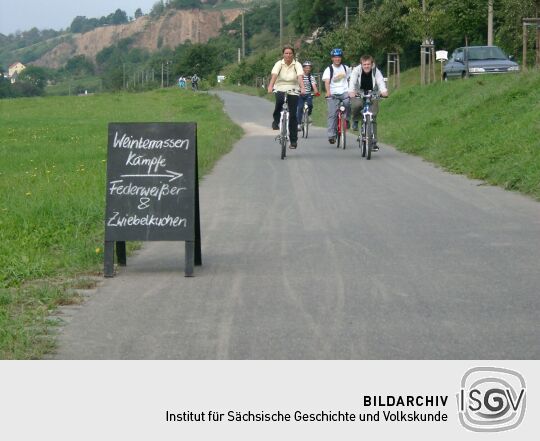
(366, 77)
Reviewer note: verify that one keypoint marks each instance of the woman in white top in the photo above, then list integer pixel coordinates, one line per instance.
(287, 75)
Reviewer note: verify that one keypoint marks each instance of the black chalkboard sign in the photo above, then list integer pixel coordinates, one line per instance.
(152, 188)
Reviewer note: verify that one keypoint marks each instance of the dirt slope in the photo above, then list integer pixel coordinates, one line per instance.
(172, 29)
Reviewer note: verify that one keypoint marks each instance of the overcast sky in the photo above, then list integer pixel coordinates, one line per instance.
(23, 15)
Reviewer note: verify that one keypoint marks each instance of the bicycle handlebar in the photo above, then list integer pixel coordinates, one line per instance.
(368, 94)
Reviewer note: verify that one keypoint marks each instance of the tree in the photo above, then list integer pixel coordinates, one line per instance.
(138, 13)
(311, 14)
(77, 25)
(118, 17)
(79, 65)
(5, 87)
(157, 9)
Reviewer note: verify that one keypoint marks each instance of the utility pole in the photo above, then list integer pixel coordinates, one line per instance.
(490, 23)
(243, 37)
(280, 24)
(346, 17)
(537, 35)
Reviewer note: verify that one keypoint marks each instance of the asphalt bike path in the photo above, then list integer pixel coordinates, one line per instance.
(325, 255)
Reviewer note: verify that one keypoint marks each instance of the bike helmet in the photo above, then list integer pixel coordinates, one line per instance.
(336, 52)
(307, 63)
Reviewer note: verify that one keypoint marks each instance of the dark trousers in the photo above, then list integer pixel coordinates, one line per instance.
(292, 100)
(301, 101)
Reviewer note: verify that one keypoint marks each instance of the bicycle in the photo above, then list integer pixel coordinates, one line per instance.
(366, 137)
(283, 136)
(304, 121)
(341, 125)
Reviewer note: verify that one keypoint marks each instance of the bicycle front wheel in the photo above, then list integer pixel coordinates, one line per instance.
(338, 131)
(362, 139)
(344, 131)
(305, 125)
(283, 136)
(369, 138)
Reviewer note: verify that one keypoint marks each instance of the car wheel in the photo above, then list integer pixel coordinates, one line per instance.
(463, 75)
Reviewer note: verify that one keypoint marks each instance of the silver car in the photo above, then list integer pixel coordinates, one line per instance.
(478, 60)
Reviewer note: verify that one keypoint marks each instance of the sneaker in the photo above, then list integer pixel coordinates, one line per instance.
(293, 145)
(332, 140)
(355, 125)
(275, 126)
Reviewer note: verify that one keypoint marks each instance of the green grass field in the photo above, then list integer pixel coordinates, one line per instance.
(485, 127)
(52, 181)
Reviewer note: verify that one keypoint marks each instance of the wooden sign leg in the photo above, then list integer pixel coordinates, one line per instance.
(108, 252)
(121, 253)
(190, 259)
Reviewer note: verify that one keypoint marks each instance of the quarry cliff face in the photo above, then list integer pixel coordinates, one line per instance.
(172, 29)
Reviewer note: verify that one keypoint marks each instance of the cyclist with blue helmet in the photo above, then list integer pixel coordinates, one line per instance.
(336, 82)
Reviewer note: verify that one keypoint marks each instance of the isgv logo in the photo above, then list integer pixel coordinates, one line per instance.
(491, 399)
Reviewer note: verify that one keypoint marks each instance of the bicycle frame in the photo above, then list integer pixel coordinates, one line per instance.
(283, 137)
(341, 125)
(304, 120)
(366, 136)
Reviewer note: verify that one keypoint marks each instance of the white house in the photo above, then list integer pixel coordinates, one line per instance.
(14, 70)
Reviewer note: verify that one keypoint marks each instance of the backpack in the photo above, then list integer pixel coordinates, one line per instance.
(332, 70)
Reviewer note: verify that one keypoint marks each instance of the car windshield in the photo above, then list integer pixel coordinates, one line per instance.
(486, 53)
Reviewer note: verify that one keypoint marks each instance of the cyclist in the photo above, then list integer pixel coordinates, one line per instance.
(195, 82)
(336, 82)
(366, 77)
(311, 87)
(287, 75)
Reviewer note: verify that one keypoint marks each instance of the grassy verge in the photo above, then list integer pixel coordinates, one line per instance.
(486, 127)
(75, 86)
(52, 181)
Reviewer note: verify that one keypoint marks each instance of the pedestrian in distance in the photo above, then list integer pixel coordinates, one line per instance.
(310, 85)
(287, 77)
(195, 82)
(336, 83)
(366, 77)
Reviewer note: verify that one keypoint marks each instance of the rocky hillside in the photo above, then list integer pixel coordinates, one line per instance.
(172, 29)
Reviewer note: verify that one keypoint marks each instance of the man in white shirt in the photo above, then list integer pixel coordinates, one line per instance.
(336, 82)
(366, 77)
